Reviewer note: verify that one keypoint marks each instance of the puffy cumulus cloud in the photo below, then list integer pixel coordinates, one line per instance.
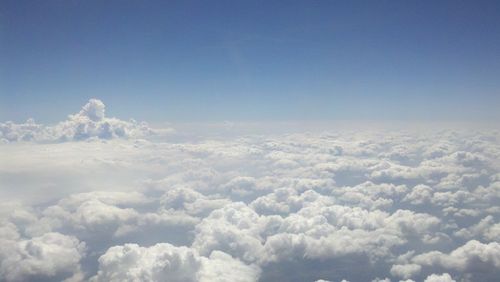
(371, 196)
(323, 280)
(191, 202)
(93, 110)
(398, 204)
(405, 271)
(92, 213)
(336, 231)
(27, 131)
(464, 258)
(445, 277)
(487, 229)
(164, 261)
(52, 256)
(318, 231)
(287, 200)
(234, 229)
(222, 267)
(100, 216)
(90, 122)
(420, 194)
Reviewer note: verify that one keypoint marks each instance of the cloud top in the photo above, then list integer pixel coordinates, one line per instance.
(89, 123)
(93, 110)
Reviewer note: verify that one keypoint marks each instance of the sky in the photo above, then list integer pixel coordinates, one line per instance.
(251, 60)
(249, 141)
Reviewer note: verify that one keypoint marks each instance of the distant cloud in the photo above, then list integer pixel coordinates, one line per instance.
(90, 122)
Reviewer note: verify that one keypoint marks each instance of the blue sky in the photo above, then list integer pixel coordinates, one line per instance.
(251, 60)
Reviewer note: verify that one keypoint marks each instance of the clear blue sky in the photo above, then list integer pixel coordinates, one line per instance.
(251, 60)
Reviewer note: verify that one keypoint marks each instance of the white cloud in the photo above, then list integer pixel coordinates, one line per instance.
(445, 277)
(131, 262)
(464, 257)
(127, 205)
(90, 122)
(405, 271)
(52, 255)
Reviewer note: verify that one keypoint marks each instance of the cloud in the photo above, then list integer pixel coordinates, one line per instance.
(27, 131)
(52, 255)
(164, 261)
(135, 204)
(93, 110)
(89, 123)
(445, 277)
(405, 271)
(465, 257)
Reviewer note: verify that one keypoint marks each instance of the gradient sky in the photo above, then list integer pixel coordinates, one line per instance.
(251, 60)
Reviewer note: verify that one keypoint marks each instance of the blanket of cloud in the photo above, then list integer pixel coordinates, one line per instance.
(112, 204)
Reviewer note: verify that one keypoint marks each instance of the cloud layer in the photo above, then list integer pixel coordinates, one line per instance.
(402, 205)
